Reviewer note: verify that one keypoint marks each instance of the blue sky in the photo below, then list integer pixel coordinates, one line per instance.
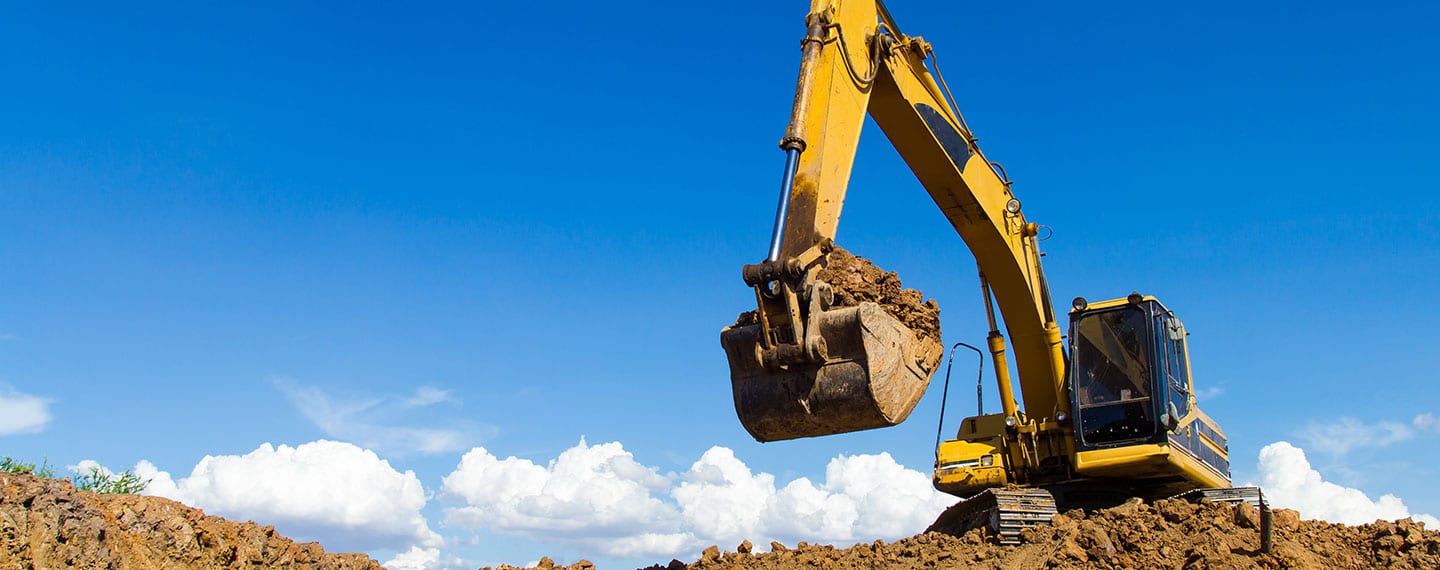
(418, 230)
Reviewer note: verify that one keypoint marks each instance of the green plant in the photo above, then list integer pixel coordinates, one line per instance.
(10, 465)
(98, 480)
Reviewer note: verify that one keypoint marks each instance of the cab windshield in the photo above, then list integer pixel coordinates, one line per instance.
(1112, 375)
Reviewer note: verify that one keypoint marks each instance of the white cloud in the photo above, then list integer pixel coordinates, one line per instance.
(1350, 434)
(377, 422)
(160, 483)
(1208, 393)
(415, 559)
(599, 498)
(418, 558)
(1289, 482)
(86, 466)
(591, 494)
(863, 497)
(22, 413)
(344, 496)
(425, 396)
(1426, 422)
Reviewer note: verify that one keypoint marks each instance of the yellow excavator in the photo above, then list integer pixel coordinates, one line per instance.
(1109, 409)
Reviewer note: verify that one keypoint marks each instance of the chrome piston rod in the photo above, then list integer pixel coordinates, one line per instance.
(792, 162)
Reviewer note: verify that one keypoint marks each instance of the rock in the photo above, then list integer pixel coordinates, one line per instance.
(711, 554)
(744, 547)
(1064, 522)
(1285, 519)
(1133, 506)
(1389, 542)
(1096, 537)
(777, 547)
(1175, 510)
(1247, 516)
(1071, 549)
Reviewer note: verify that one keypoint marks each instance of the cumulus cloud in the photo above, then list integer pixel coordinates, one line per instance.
(863, 497)
(592, 494)
(1349, 434)
(379, 422)
(89, 466)
(418, 558)
(22, 413)
(159, 483)
(599, 497)
(337, 493)
(1290, 482)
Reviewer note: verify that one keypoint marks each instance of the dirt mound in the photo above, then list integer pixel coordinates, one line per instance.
(1166, 534)
(856, 280)
(546, 564)
(47, 523)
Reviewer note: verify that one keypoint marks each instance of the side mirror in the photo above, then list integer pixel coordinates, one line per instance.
(1175, 329)
(1171, 418)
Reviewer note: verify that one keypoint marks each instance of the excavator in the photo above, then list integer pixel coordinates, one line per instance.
(1109, 409)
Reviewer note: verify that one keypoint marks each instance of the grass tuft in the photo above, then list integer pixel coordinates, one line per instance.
(100, 481)
(10, 465)
(97, 480)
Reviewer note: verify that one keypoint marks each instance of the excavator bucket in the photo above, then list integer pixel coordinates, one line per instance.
(872, 378)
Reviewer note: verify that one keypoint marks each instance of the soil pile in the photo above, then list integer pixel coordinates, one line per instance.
(857, 280)
(1166, 534)
(546, 564)
(47, 523)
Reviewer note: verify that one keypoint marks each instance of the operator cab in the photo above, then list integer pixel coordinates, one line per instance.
(1129, 379)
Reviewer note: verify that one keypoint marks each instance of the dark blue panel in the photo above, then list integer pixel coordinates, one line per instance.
(950, 139)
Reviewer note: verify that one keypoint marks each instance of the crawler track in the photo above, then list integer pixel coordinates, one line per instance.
(1006, 512)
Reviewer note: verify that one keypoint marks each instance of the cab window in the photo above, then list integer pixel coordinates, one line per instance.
(1113, 370)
